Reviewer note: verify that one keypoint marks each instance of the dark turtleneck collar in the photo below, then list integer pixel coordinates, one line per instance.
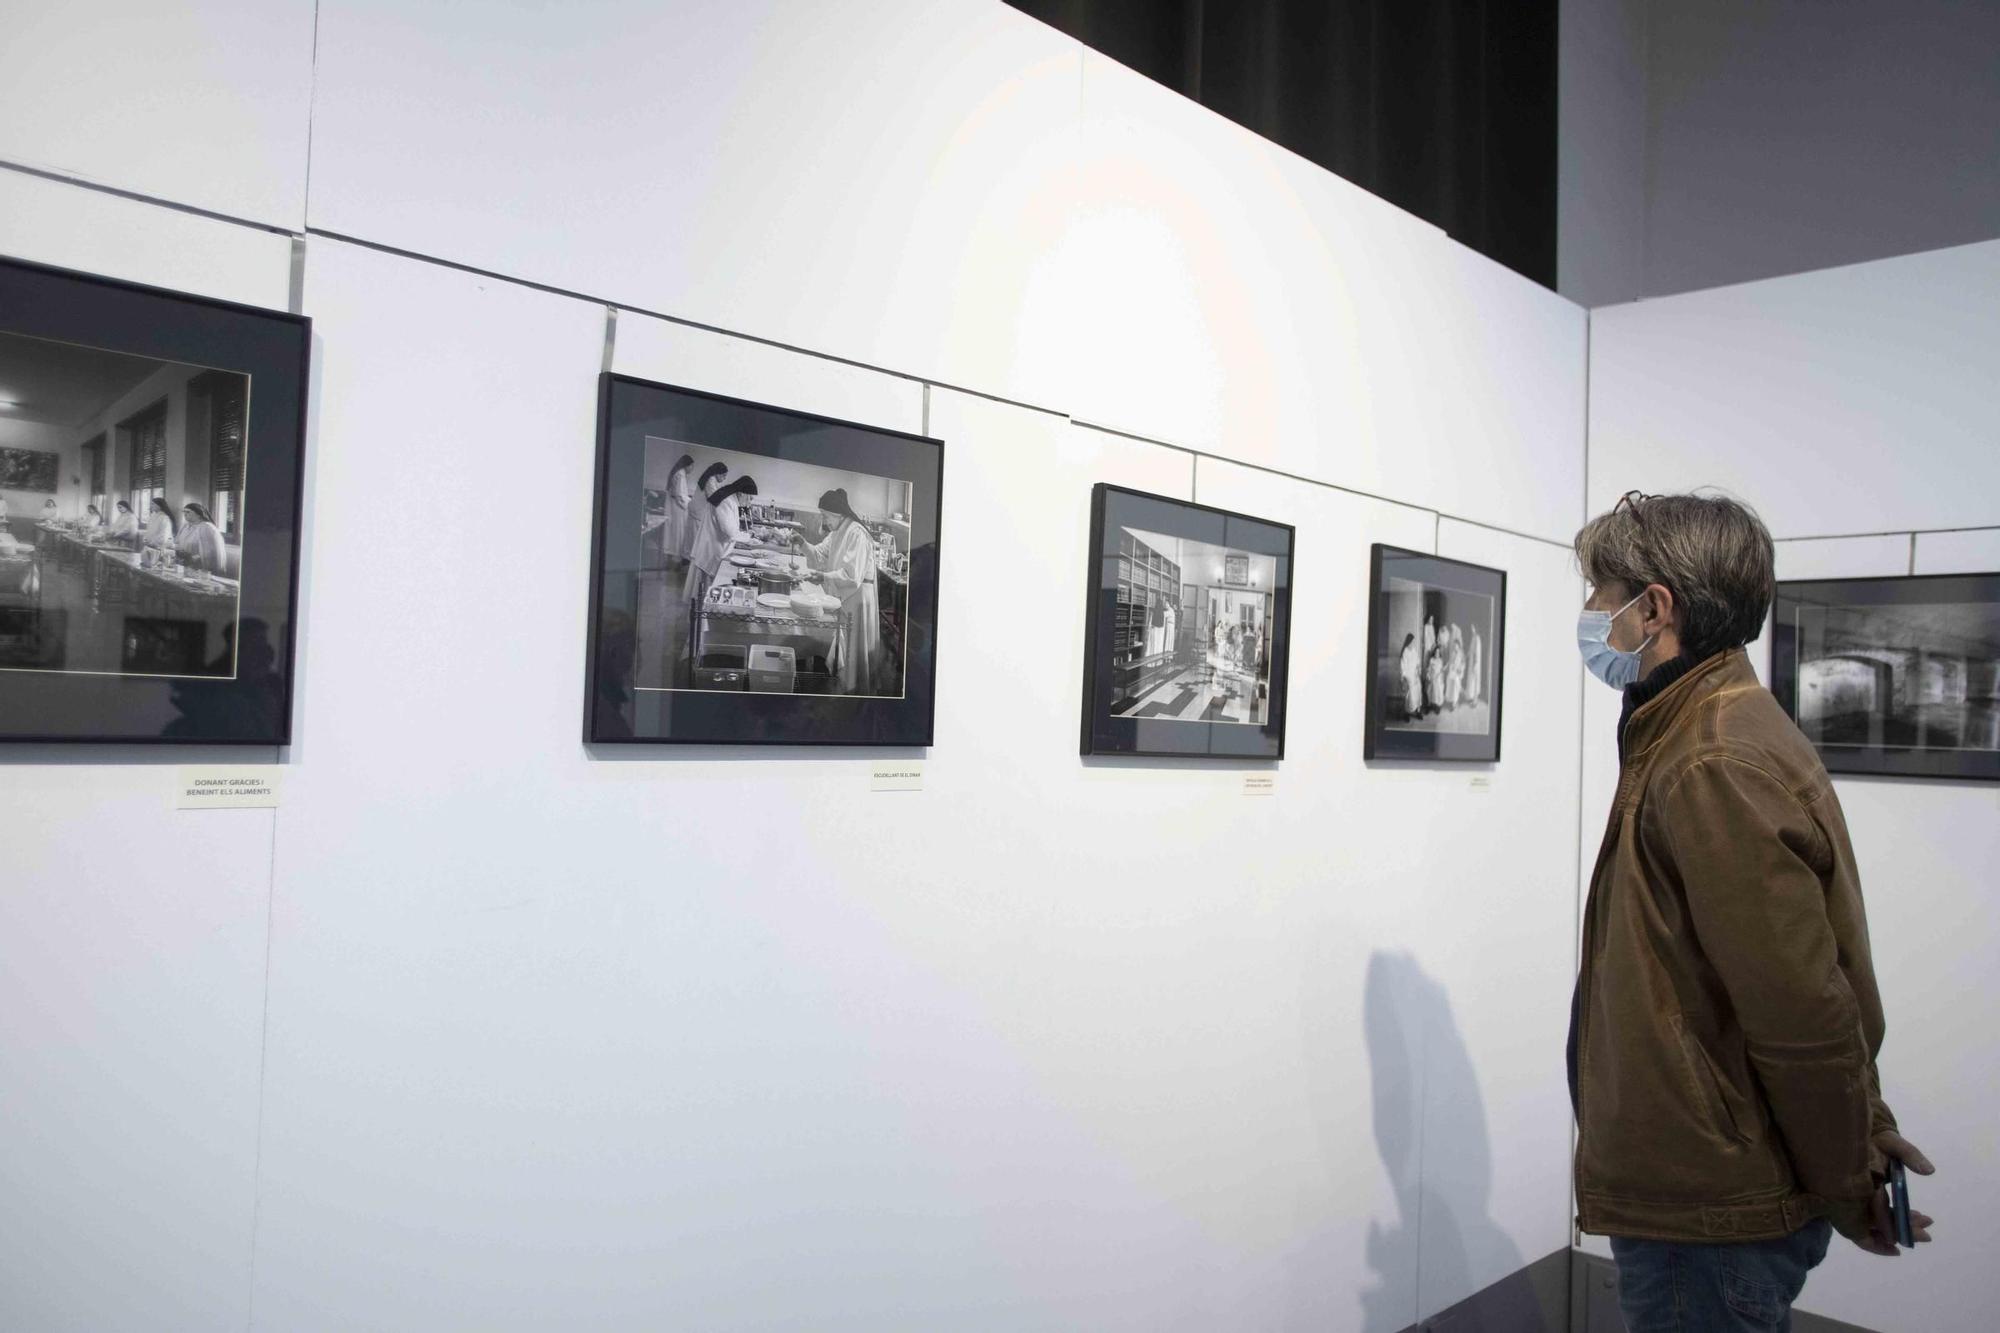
(1656, 683)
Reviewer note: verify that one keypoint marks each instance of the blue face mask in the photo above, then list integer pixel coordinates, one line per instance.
(1593, 639)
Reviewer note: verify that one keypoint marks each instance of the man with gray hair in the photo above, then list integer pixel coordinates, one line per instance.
(1725, 1024)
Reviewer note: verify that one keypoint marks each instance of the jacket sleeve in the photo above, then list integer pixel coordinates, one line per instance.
(1745, 849)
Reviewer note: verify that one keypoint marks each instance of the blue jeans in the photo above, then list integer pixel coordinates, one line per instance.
(1749, 1287)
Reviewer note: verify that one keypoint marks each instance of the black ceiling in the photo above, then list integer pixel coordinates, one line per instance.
(1446, 108)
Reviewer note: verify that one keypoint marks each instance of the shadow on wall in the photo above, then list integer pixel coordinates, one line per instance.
(1430, 1128)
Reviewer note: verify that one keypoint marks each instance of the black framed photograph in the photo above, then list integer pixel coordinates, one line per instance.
(1894, 676)
(151, 452)
(1437, 633)
(1187, 631)
(759, 576)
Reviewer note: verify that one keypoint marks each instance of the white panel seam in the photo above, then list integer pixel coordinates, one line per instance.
(1898, 532)
(1316, 481)
(98, 187)
(263, 1065)
(312, 102)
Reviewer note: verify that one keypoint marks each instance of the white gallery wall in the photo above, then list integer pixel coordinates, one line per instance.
(1855, 408)
(485, 1029)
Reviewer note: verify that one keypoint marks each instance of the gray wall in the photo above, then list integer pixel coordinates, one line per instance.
(1707, 142)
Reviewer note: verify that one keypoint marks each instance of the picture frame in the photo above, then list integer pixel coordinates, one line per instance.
(150, 596)
(1893, 677)
(759, 575)
(1437, 637)
(1178, 662)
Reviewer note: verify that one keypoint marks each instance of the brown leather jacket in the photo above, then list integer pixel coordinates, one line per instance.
(1727, 1014)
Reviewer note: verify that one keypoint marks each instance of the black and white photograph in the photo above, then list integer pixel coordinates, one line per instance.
(764, 576)
(1189, 625)
(1434, 657)
(1897, 676)
(149, 457)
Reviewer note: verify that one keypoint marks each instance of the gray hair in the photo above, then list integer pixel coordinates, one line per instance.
(1711, 552)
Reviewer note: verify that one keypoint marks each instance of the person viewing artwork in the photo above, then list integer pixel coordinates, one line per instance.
(1726, 1022)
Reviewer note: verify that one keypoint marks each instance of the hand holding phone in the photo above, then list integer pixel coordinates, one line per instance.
(1899, 1203)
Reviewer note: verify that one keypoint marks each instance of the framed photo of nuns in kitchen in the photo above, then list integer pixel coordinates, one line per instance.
(151, 445)
(759, 576)
(1187, 629)
(1893, 676)
(1437, 633)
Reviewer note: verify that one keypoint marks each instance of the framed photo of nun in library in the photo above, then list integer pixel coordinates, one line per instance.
(759, 576)
(1437, 633)
(151, 445)
(1187, 629)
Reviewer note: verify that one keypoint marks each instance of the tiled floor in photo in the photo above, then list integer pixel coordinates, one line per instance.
(1207, 693)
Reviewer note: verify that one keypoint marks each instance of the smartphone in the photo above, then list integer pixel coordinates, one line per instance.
(1899, 1203)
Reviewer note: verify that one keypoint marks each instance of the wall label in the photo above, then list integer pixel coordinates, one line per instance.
(1481, 784)
(227, 787)
(900, 776)
(1259, 784)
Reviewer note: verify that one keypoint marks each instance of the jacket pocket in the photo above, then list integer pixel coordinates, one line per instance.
(1706, 1084)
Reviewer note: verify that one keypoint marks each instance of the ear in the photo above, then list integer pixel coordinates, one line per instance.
(1659, 608)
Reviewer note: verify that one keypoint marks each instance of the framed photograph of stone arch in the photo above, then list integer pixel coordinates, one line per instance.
(151, 451)
(1437, 633)
(1893, 676)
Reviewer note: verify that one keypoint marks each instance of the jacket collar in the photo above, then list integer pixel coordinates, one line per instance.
(1652, 721)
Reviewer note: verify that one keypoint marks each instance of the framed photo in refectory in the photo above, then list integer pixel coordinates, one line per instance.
(151, 446)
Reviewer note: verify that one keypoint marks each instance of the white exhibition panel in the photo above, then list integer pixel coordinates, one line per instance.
(131, 934)
(51, 222)
(131, 1005)
(1233, 298)
(202, 103)
(883, 180)
(690, 358)
(928, 196)
(708, 1038)
(896, 1049)
(1350, 978)
(1970, 551)
(1452, 999)
(1926, 851)
(1504, 927)
(1854, 400)
(1872, 556)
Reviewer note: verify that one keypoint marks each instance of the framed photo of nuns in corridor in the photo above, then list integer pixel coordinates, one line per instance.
(1187, 631)
(1437, 632)
(1894, 676)
(150, 459)
(759, 576)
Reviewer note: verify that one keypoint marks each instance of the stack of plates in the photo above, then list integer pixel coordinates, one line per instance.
(774, 604)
